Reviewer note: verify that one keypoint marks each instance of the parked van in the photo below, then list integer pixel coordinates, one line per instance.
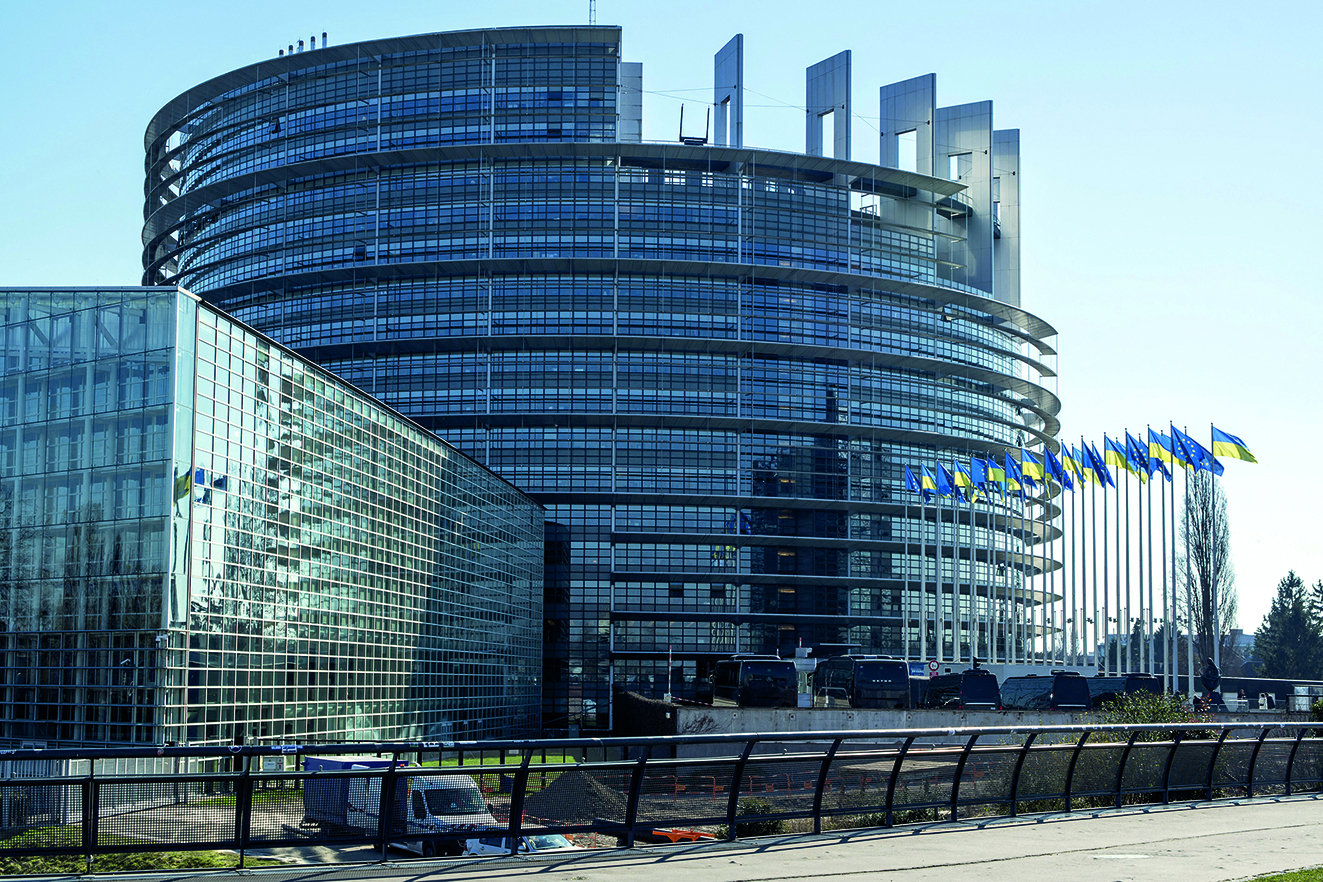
(861, 681)
(432, 805)
(1060, 690)
(755, 681)
(972, 689)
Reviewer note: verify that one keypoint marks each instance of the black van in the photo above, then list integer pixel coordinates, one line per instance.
(861, 681)
(1061, 690)
(755, 681)
(1105, 689)
(973, 689)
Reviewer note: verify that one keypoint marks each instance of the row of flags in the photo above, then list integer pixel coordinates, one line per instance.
(1083, 464)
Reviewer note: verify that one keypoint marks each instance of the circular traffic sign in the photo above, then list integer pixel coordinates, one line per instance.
(932, 666)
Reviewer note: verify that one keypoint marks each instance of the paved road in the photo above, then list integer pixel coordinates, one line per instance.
(1201, 842)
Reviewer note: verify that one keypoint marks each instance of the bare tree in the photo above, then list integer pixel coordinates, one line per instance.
(1207, 579)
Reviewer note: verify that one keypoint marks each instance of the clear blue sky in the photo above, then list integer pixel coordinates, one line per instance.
(1168, 176)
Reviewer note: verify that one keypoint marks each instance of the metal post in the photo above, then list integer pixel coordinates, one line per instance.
(1176, 739)
(1290, 760)
(1019, 764)
(517, 793)
(959, 771)
(1254, 758)
(1212, 761)
(1120, 768)
(822, 785)
(1070, 769)
(733, 805)
(243, 807)
(635, 785)
(895, 774)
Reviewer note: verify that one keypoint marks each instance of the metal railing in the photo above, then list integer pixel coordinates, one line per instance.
(623, 791)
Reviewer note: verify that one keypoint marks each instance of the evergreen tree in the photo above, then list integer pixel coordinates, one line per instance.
(1290, 641)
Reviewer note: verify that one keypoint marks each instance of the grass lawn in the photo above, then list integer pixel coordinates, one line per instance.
(1312, 875)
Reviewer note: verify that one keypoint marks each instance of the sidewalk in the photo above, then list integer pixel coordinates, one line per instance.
(1199, 842)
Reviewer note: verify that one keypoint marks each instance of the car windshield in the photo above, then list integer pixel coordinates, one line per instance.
(454, 801)
(549, 841)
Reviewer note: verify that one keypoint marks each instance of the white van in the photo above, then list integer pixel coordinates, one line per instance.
(431, 804)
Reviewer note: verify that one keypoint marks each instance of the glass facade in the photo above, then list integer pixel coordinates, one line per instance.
(205, 537)
(711, 364)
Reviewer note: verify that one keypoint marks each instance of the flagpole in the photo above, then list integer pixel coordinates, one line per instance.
(923, 575)
(1074, 575)
(1168, 614)
(1125, 666)
(1213, 546)
(905, 566)
(939, 606)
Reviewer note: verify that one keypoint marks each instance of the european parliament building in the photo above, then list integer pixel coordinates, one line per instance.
(205, 538)
(711, 363)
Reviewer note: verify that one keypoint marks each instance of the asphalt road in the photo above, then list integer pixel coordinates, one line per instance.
(1199, 842)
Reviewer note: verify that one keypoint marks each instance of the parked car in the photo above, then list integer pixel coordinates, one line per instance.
(539, 843)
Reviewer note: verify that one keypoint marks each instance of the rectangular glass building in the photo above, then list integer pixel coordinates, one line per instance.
(204, 537)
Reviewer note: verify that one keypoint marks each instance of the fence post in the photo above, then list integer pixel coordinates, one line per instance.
(1070, 769)
(1015, 776)
(822, 785)
(91, 811)
(959, 770)
(243, 807)
(1254, 758)
(1212, 761)
(895, 775)
(517, 792)
(635, 786)
(733, 805)
(1120, 768)
(1177, 737)
(386, 807)
(1290, 760)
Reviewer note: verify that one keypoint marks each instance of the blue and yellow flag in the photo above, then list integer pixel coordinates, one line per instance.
(912, 483)
(1159, 448)
(1070, 462)
(1099, 466)
(1031, 467)
(1137, 456)
(1199, 457)
(946, 484)
(1055, 469)
(1014, 478)
(960, 476)
(929, 484)
(1114, 455)
(1228, 445)
(978, 472)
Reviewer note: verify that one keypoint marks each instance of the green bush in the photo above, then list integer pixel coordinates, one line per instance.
(761, 827)
(1316, 711)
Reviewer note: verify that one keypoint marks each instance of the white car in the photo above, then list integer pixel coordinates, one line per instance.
(539, 843)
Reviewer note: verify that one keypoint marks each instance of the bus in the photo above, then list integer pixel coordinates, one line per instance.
(973, 689)
(862, 681)
(755, 681)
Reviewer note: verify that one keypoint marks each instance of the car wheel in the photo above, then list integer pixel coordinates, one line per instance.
(429, 848)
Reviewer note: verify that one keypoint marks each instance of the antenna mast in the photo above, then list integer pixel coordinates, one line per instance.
(592, 12)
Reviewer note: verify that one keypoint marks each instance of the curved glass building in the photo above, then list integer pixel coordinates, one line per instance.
(711, 363)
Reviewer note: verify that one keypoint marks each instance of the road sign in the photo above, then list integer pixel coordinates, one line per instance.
(932, 669)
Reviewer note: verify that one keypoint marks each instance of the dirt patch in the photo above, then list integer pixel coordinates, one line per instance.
(575, 797)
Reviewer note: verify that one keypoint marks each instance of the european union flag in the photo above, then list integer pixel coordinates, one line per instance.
(1054, 468)
(1099, 467)
(978, 471)
(912, 483)
(1195, 453)
(945, 484)
(1014, 479)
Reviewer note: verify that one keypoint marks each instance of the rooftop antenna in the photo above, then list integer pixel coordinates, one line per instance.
(691, 140)
(592, 12)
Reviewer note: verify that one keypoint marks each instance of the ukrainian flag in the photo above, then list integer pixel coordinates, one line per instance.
(1055, 469)
(1159, 448)
(1114, 455)
(1013, 477)
(1070, 461)
(961, 477)
(1031, 466)
(1230, 446)
(929, 484)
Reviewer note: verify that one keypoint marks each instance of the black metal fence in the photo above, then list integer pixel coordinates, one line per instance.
(623, 791)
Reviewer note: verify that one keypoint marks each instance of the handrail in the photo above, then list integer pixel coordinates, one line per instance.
(707, 779)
